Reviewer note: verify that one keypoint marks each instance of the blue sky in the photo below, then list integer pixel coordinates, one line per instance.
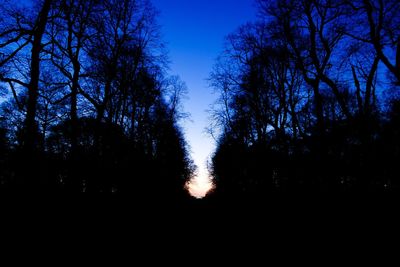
(194, 31)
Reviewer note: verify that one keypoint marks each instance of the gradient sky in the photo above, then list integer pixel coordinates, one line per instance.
(194, 31)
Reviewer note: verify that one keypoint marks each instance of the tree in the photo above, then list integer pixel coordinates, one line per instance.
(378, 25)
(33, 31)
(89, 101)
(70, 33)
(300, 106)
(314, 31)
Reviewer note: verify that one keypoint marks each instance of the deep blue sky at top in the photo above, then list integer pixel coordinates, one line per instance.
(194, 31)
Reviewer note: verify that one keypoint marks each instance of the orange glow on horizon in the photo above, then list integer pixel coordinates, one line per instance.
(200, 186)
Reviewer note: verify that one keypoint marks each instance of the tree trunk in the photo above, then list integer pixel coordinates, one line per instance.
(74, 108)
(33, 87)
(30, 172)
(369, 86)
(358, 91)
(74, 183)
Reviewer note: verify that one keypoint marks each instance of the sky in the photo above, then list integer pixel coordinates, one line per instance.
(194, 31)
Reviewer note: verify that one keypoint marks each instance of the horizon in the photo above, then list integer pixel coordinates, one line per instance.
(195, 33)
(294, 97)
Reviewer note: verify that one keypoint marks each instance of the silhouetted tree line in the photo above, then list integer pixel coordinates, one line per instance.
(86, 105)
(309, 99)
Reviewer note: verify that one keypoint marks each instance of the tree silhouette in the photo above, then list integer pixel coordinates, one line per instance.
(308, 100)
(300, 104)
(90, 107)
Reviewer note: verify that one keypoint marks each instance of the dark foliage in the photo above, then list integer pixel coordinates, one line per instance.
(308, 100)
(86, 103)
(302, 101)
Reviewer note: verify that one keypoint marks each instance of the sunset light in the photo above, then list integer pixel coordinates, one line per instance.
(200, 104)
(200, 186)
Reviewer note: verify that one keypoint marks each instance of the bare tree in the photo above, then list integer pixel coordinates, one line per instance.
(69, 33)
(314, 31)
(377, 24)
(121, 32)
(259, 86)
(34, 36)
